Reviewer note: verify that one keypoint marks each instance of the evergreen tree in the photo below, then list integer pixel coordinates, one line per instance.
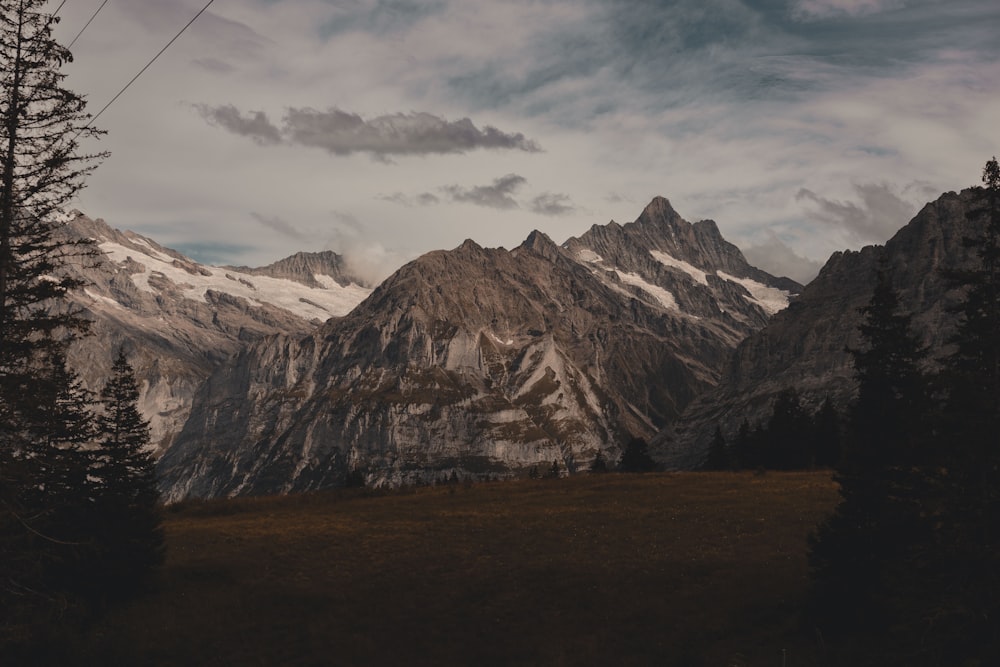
(599, 464)
(41, 170)
(636, 457)
(862, 556)
(127, 494)
(718, 452)
(744, 447)
(827, 435)
(788, 435)
(969, 568)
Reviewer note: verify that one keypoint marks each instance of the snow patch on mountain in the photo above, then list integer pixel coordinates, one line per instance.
(307, 302)
(697, 274)
(589, 256)
(150, 250)
(664, 297)
(499, 340)
(100, 297)
(771, 299)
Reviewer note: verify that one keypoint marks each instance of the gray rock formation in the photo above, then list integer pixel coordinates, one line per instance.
(484, 362)
(179, 320)
(804, 346)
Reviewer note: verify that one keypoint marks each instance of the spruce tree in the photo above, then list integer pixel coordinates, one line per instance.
(636, 457)
(861, 556)
(41, 170)
(745, 447)
(127, 495)
(788, 435)
(718, 452)
(969, 559)
(599, 464)
(827, 435)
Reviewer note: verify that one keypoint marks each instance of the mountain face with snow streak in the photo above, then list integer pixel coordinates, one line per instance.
(180, 320)
(484, 362)
(805, 346)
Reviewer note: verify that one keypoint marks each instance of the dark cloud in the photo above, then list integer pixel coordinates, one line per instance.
(809, 10)
(386, 16)
(415, 133)
(254, 125)
(497, 195)
(343, 133)
(552, 204)
(880, 213)
(278, 225)
(215, 65)
(422, 199)
(778, 259)
(700, 53)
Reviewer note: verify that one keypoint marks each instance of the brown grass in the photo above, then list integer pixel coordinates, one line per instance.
(664, 569)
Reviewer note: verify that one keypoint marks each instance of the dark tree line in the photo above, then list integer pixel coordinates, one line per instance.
(792, 438)
(78, 520)
(907, 570)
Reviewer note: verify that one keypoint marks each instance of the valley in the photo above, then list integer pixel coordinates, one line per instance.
(668, 569)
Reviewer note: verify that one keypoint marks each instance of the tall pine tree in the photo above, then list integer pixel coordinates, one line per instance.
(41, 170)
(127, 495)
(859, 555)
(969, 557)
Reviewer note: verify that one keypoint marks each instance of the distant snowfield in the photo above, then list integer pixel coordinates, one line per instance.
(322, 303)
(665, 298)
(690, 269)
(771, 299)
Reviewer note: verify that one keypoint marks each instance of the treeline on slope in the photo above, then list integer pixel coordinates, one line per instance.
(79, 526)
(907, 569)
(635, 458)
(792, 438)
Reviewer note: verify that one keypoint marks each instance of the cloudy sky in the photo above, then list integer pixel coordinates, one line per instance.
(386, 128)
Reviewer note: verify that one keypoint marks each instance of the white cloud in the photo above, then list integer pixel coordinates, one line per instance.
(729, 111)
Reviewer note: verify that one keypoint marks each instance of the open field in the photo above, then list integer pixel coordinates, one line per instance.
(664, 569)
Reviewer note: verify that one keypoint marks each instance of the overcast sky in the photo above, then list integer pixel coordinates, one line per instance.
(382, 129)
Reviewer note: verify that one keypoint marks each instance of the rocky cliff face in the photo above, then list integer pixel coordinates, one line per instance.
(484, 362)
(804, 346)
(180, 320)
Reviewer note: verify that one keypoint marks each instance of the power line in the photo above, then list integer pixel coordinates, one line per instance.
(87, 25)
(120, 92)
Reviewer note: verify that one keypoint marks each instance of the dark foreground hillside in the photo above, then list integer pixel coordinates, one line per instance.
(666, 569)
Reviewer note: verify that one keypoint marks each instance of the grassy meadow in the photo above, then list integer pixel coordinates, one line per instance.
(656, 569)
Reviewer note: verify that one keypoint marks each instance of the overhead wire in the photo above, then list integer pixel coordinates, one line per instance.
(87, 24)
(134, 78)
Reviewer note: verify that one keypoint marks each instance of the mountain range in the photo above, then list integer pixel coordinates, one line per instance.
(485, 363)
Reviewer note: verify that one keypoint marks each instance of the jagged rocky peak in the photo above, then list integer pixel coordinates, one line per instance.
(540, 244)
(688, 268)
(659, 211)
(308, 268)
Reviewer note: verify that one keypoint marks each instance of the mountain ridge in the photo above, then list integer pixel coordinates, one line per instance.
(478, 361)
(178, 319)
(805, 346)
